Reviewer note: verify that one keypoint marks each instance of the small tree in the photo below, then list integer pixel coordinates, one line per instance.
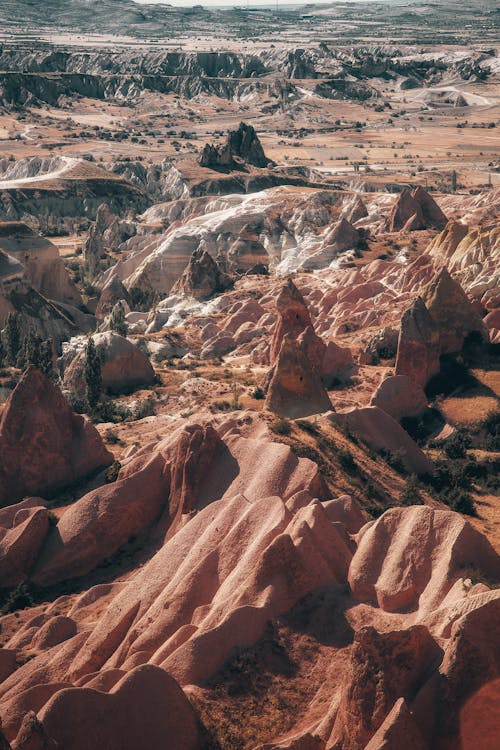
(117, 321)
(454, 181)
(46, 361)
(11, 338)
(30, 354)
(92, 374)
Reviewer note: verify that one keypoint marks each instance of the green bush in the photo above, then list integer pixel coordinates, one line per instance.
(410, 494)
(18, 598)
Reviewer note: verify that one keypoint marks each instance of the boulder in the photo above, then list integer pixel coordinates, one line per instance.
(452, 311)
(146, 708)
(112, 292)
(20, 544)
(96, 526)
(381, 432)
(123, 366)
(202, 277)
(384, 668)
(418, 345)
(295, 389)
(399, 396)
(409, 558)
(44, 446)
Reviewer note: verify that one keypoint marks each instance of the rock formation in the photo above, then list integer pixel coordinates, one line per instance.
(146, 707)
(44, 269)
(381, 432)
(43, 444)
(444, 245)
(242, 147)
(418, 345)
(202, 277)
(293, 318)
(452, 311)
(415, 210)
(21, 539)
(295, 389)
(123, 366)
(400, 396)
(112, 292)
(392, 564)
(106, 233)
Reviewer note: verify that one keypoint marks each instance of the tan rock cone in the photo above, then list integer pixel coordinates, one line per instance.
(418, 345)
(296, 389)
(452, 311)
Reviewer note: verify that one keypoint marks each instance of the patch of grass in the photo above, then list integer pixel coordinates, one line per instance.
(309, 427)
(281, 427)
(346, 459)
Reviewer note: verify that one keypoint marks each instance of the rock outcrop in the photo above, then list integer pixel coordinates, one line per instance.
(444, 245)
(112, 292)
(202, 277)
(20, 543)
(295, 389)
(146, 708)
(43, 267)
(409, 558)
(452, 311)
(43, 444)
(124, 367)
(105, 234)
(419, 345)
(242, 147)
(400, 396)
(415, 210)
(384, 668)
(381, 432)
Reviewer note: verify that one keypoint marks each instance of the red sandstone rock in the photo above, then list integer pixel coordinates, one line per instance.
(400, 397)
(202, 277)
(98, 524)
(384, 668)
(43, 444)
(20, 545)
(146, 708)
(293, 318)
(399, 730)
(56, 630)
(410, 558)
(381, 432)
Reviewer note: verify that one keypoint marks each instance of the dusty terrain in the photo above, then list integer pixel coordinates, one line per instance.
(249, 376)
